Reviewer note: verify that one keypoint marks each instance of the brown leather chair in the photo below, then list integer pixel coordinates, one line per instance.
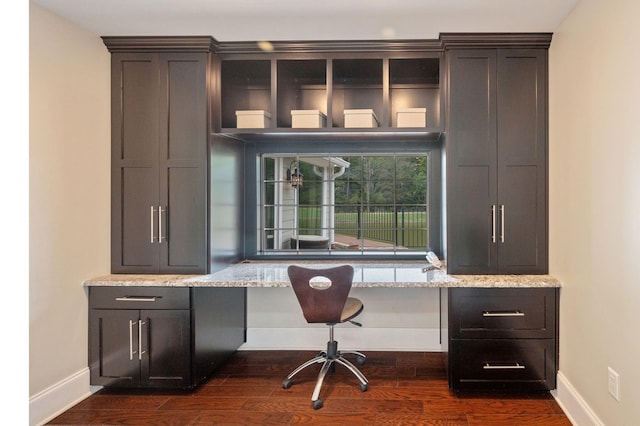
(323, 295)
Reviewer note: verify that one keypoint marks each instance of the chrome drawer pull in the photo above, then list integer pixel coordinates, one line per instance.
(493, 223)
(514, 366)
(502, 223)
(140, 351)
(153, 213)
(502, 314)
(131, 352)
(137, 299)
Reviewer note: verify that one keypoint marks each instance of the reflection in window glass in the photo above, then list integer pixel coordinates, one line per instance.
(344, 203)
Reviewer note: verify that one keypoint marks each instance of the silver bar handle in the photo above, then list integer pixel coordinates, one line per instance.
(160, 237)
(514, 366)
(493, 223)
(137, 298)
(131, 323)
(502, 223)
(153, 213)
(502, 314)
(140, 351)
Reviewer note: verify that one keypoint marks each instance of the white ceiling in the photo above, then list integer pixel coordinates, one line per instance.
(243, 20)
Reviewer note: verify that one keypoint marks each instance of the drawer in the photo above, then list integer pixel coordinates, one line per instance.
(502, 313)
(526, 364)
(139, 298)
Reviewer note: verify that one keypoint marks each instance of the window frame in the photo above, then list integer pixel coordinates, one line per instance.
(253, 184)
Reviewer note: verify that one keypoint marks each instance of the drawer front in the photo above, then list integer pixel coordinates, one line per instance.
(525, 364)
(503, 313)
(139, 297)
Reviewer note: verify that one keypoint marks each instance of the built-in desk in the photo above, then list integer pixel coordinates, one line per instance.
(367, 274)
(496, 331)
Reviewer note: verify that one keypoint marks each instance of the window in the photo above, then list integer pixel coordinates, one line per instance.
(346, 204)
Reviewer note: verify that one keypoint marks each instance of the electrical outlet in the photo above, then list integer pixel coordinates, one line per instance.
(614, 384)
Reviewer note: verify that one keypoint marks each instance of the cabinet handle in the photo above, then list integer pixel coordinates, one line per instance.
(502, 314)
(493, 223)
(153, 213)
(131, 323)
(137, 298)
(514, 366)
(502, 223)
(140, 351)
(160, 237)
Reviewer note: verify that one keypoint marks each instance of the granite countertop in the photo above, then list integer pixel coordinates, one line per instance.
(367, 274)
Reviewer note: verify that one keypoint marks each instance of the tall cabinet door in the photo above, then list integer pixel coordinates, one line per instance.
(159, 162)
(472, 161)
(134, 162)
(183, 163)
(496, 161)
(522, 160)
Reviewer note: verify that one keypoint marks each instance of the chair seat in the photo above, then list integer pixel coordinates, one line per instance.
(352, 308)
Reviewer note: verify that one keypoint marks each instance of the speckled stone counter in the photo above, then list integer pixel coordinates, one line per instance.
(367, 274)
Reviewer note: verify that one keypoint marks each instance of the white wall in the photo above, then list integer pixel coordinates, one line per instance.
(69, 198)
(595, 201)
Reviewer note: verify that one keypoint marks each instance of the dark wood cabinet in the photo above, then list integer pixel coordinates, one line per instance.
(503, 338)
(332, 77)
(159, 108)
(497, 161)
(162, 337)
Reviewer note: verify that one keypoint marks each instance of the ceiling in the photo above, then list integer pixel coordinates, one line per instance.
(245, 20)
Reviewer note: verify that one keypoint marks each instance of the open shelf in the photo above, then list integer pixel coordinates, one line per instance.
(331, 85)
(246, 86)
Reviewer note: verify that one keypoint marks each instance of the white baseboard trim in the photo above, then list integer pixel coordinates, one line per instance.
(355, 338)
(53, 401)
(576, 408)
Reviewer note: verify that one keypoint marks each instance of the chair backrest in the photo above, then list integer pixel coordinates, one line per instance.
(321, 301)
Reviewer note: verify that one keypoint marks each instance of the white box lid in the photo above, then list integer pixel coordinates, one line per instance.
(361, 111)
(307, 112)
(412, 110)
(254, 112)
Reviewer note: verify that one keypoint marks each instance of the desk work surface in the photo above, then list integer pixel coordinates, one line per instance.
(367, 274)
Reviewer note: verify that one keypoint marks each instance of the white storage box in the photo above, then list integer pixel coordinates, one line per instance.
(360, 118)
(308, 119)
(253, 119)
(412, 117)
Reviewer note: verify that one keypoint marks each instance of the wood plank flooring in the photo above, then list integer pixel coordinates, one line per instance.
(405, 388)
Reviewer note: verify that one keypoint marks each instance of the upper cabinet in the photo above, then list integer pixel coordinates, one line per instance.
(310, 87)
(497, 161)
(159, 159)
(174, 98)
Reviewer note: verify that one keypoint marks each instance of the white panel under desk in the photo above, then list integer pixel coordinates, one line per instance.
(393, 318)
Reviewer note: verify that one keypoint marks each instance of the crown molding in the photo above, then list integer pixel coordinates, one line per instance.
(484, 40)
(160, 43)
(210, 44)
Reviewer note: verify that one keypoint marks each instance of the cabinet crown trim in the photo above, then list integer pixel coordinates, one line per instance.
(210, 44)
(485, 40)
(160, 44)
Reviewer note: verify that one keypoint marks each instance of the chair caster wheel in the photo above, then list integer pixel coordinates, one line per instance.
(286, 383)
(360, 360)
(317, 404)
(364, 387)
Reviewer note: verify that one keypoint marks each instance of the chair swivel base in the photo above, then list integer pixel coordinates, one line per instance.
(328, 360)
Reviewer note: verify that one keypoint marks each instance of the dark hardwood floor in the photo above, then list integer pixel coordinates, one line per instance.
(405, 388)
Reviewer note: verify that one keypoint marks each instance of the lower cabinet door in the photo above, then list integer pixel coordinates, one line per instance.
(527, 364)
(165, 343)
(113, 347)
(140, 348)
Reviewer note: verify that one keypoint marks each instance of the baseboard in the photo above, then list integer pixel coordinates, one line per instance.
(59, 397)
(576, 408)
(362, 339)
